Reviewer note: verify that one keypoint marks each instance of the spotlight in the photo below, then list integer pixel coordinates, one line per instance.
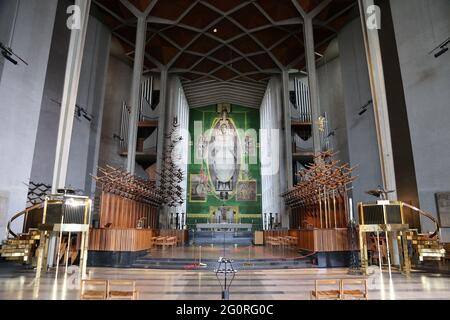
(7, 53)
(441, 49)
(440, 52)
(215, 30)
(362, 112)
(332, 133)
(8, 57)
(364, 108)
(86, 116)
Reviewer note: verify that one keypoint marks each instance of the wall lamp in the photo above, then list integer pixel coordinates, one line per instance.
(8, 54)
(441, 49)
(365, 107)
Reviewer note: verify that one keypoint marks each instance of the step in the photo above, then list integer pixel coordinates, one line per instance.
(15, 250)
(14, 241)
(17, 246)
(14, 254)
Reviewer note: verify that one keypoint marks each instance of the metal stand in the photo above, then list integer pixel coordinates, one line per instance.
(225, 268)
(73, 218)
(354, 263)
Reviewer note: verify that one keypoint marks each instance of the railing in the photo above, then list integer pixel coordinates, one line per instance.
(426, 214)
(17, 215)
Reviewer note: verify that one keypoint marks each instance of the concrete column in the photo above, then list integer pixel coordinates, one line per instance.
(312, 79)
(378, 89)
(135, 92)
(287, 127)
(71, 81)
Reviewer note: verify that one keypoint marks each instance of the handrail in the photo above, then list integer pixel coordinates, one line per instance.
(426, 214)
(17, 215)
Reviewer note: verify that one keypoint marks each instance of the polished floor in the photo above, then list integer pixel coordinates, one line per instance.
(234, 252)
(19, 283)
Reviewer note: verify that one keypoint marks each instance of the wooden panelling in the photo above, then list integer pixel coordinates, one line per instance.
(130, 240)
(275, 233)
(182, 235)
(322, 240)
(309, 215)
(123, 213)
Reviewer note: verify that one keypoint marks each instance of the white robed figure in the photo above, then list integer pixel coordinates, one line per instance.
(223, 153)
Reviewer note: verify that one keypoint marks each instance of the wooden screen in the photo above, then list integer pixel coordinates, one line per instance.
(122, 213)
(130, 240)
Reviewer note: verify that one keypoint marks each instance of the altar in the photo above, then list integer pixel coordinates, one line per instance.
(224, 227)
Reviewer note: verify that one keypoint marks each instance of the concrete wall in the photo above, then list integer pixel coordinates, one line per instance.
(117, 90)
(21, 91)
(361, 132)
(118, 84)
(8, 13)
(86, 134)
(420, 26)
(331, 99)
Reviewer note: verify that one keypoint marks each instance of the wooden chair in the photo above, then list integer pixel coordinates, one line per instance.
(160, 241)
(275, 241)
(122, 290)
(293, 241)
(330, 294)
(94, 289)
(153, 242)
(356, 293)
(170, 242)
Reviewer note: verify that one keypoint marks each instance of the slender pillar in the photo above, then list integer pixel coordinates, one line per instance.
(287, 127)
(312, 80)
(69, 98)
(162, 119)
(163, 215)
(135, 92)
(377, 86)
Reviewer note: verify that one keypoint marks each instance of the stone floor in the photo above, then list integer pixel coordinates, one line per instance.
(19, 283)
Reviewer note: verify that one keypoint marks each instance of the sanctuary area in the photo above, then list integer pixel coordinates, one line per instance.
(224, 149)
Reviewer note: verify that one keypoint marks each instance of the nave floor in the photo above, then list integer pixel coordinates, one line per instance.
(16, 283)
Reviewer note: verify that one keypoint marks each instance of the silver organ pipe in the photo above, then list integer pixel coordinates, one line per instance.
(145, 111)
(141, 101)
(146, 99)
(302, 100)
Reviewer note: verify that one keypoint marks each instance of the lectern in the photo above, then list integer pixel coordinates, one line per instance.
(64, 214)
(387, 217)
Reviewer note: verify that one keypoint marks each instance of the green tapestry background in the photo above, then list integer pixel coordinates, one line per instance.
(248, 211)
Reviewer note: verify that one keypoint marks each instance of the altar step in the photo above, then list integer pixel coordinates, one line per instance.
(149, 262)
(241, 238)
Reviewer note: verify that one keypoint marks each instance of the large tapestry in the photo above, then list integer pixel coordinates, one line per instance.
(224, 169)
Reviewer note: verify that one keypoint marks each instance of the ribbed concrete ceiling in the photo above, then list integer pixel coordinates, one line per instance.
(225, 43)
(210, 92)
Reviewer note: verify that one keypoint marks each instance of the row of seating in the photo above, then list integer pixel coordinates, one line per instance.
(108, 290)
(164, 242)
(288, 241)
(341, 289)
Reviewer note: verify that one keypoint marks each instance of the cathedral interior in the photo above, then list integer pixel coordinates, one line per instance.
(297, 147)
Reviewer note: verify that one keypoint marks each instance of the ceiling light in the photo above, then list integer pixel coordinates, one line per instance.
(215, 30)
